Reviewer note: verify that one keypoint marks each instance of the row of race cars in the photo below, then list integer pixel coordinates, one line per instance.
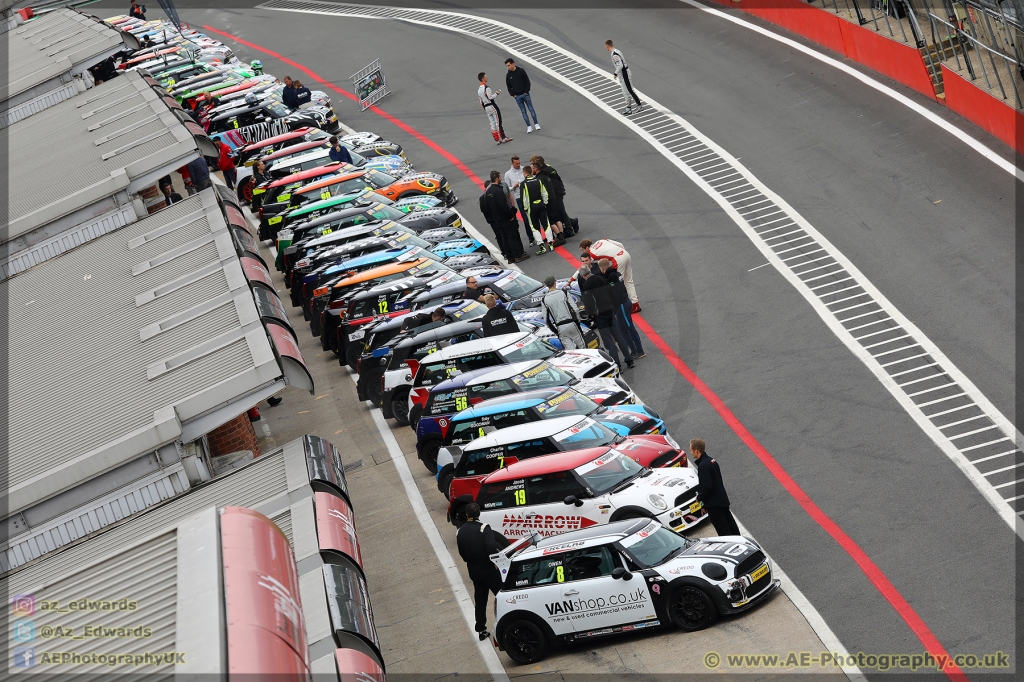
(555, 448)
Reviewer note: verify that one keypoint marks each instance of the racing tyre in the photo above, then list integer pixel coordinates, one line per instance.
(413, 415)
(352, 353)
(524, 642)
(400, 407)
(244, 191)
(691, 609)
(373, 392)
(444, 481)
(428, 454)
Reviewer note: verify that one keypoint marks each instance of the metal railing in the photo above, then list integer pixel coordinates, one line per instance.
(961, 43)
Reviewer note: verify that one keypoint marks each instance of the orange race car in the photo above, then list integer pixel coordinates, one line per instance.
(389, 186)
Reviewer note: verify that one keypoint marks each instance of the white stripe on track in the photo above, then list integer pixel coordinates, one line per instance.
(867, 80)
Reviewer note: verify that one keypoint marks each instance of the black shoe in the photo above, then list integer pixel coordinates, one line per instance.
(522, 258)
(274, 401)
(641, 355)
(483, 635)
(629, 364)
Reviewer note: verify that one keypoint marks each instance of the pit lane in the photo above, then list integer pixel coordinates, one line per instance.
(745, 332)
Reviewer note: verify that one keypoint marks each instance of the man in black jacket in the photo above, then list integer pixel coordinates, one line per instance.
(518, 84)
(623, 308)
(501, 216)
(597, 296)
(711, 491)
(498, 320)
(477, 542)
(556, 189)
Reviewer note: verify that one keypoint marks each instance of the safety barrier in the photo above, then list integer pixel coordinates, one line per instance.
(969, 62)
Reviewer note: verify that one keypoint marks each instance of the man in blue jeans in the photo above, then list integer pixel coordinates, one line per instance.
(518, 85)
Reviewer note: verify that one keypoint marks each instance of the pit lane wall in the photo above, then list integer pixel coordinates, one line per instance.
(900, 62)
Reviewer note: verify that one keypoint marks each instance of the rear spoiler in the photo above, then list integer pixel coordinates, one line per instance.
(503, 559)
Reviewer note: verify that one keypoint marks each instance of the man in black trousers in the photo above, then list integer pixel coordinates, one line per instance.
(477, 542)
(501, 215)
(710, 490)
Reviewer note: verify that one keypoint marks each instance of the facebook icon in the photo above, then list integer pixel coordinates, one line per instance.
(24, 656)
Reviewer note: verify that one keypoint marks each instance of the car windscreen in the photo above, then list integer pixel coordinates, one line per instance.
(278, 110)
(515, 285)
(357, 159)
(530, 348)
(654, 544)
(378, 179)
(543, 375)
(607, 472)
(387, 213)
(432, 373)
(470, 429)
(568, 403)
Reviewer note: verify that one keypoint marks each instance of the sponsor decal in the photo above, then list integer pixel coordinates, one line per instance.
(606, 458)
(590, 606)
(519, 597)
(554, 549)
(508, 279)
(545, 524)
(644, 533)
(679, 570)
(656, 588)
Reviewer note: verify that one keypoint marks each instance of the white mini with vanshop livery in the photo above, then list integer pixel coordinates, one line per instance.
(626, 576)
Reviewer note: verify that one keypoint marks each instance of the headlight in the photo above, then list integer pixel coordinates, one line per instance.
(623, 385)
(672, 441)
(651, 412)
(607, 358)
(657, 502)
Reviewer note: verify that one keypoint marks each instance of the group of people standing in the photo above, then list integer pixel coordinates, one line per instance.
(535, 192)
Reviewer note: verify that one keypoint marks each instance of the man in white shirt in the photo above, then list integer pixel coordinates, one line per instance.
(486, 97)
(513, 180)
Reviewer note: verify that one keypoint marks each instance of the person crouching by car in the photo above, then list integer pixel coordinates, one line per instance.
(561, 316)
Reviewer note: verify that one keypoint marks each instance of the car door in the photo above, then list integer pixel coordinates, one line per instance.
(536, 586)
(547, 512)
(595, 599)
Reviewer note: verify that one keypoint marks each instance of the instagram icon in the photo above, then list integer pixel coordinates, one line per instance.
(23, 604)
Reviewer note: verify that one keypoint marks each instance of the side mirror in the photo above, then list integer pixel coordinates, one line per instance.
(621, 573)
(571, 499)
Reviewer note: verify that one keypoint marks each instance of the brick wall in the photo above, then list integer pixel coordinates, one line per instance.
(236, 435)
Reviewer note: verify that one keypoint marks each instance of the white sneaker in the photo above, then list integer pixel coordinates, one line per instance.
(536, 126)
(529, 129)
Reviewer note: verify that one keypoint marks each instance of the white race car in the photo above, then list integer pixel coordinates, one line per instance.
(502, 350)
(621, 577)
(556, 493)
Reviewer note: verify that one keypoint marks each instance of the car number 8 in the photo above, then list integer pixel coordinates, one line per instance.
(560, 574)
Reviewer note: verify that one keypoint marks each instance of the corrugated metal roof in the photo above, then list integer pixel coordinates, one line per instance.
(118, 342)
(53, 44)
(262, 479)
(113, 134)
(145, 575)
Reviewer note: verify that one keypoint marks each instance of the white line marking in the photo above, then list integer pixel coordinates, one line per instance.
(758, 267)
(1001, 454)
(953, 130)
(444, 557)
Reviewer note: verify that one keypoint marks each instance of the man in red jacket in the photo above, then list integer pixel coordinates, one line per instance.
(225, 164)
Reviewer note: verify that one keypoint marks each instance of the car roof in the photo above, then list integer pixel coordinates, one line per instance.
(306, 174)
(340, 214)
(485, 375)
(515, 401)
(449, 329)
(381, 271)
(294, 149)
(283, 137)
(545, 464)
(362, 228)
(312, 154)
(480, 345)
(514, 434)
(326, 182)
(594, 535)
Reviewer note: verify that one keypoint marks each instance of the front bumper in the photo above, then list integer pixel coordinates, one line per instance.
(683, 517)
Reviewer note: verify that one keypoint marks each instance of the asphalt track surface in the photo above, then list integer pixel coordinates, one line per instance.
(928, 221)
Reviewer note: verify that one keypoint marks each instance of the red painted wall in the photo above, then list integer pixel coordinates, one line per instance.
(900, 62)
(984, 110)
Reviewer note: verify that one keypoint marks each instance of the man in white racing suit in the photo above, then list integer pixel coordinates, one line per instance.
(562, 317)
(622, 76)
(621, 261)
(486, 97)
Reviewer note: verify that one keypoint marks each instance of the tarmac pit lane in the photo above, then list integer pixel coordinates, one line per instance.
(421, 629)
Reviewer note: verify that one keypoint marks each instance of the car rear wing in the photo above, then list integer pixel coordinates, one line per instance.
(503, 559)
